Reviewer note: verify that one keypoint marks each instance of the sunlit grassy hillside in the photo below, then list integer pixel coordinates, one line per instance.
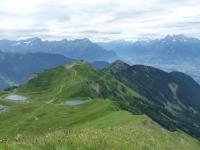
(116, 130)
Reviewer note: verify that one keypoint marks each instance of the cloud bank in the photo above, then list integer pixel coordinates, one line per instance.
(99, 20)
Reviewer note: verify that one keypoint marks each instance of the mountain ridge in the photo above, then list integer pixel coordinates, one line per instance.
(15, 67)
(74, 49)
(171, 94)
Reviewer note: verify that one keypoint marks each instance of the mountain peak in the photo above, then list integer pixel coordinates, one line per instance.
(85, 40)
(75, 63)
(118, 65)
(178, 37)
(31, 41)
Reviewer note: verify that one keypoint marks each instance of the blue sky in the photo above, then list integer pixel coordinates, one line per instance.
(98, 20)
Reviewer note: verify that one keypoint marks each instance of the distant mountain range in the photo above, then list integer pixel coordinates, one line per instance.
(19, 59)
(174, 52)
(172, 48)
(75, 49)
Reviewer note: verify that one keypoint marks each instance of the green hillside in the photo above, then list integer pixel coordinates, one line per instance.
(96, 125)
(48, 119)
(174, 97)
(80, 80)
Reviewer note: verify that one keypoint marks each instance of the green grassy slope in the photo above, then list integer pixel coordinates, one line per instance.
(80, 80)
(2, 93)
(44, 121)
(37, 118)
(116, 130)
(174, 96)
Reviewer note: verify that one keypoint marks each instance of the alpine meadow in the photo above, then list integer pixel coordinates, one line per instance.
(99, 75)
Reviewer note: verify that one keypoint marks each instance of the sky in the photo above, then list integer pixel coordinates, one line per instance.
(98, 20)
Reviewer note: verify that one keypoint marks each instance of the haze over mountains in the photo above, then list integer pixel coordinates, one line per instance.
(75, 49)
(173, 52)
(19, 59)
(170, 49)
(16, 68)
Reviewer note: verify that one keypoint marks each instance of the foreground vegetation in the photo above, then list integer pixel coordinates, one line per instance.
(98, 124)
(117, 130)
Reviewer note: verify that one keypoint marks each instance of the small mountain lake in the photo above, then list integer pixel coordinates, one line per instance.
(76, 102)
(16, 98)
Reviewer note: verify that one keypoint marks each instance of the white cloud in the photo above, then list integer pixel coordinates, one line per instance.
(98, 19)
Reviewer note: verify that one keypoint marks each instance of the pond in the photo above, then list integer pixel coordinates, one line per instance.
(76, 102)
(16, 98)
